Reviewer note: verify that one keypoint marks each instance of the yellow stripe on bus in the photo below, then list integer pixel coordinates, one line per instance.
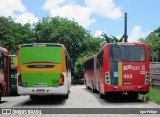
(119, 43)
(56, 68)
(120, 73)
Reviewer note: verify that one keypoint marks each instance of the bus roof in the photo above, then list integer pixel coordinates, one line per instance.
(126, 43)
(123, 43)
(90, 57)
(3, 49)
(41, 44)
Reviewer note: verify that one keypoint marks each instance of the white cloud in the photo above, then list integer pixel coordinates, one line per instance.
(16, 10)
(104, 8)
(52, 4)
(137, 33)
(76, 12)
(82, 14)
(10, 7)
(119, 36)
(26, 17)
(98, 33)
(68, 9)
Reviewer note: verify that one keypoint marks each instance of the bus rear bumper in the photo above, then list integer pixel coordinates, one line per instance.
(135, 88)
(61, 90)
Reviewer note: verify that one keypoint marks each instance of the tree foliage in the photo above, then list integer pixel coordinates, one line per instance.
(79, 42)
(112, 39)
(153, 41)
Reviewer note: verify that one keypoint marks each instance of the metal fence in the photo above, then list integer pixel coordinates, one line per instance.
(155, 74)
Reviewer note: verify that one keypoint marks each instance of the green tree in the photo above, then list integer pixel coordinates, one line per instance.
(91, 45)
(153, 40)
(64, 31)
(112, 39)
(79, 43)
(12, 34)
(6, 33)
(142, 40)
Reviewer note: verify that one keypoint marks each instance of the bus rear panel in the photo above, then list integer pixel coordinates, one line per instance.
(42, 70)
(126, 68)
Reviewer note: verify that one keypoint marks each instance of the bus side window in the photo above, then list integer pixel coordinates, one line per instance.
(68, 63)
(100, 60)
(69, 66)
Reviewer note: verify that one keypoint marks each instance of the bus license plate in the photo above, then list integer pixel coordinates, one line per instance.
(40, 90)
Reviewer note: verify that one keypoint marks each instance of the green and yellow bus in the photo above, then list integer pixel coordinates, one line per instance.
(43, 69)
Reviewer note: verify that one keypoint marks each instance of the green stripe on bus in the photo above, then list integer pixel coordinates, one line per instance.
(112, 73)
(32, 79)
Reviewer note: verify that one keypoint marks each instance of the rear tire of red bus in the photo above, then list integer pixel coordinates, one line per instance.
(100, 94)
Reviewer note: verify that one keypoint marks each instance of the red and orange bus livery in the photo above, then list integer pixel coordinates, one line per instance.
(5, 86)
(119, 67)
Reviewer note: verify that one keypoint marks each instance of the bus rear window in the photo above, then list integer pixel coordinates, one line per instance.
(41, 54)
(127, 53)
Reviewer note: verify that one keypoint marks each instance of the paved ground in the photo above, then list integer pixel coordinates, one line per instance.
(79, 97)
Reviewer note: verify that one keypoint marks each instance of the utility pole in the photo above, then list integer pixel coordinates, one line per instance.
(125, 28)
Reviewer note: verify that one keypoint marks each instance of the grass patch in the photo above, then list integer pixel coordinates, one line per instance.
(153, 96)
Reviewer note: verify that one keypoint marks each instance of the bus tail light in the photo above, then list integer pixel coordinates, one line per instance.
(107, 77)
(19, 80)
(61, 80)
(147, 78)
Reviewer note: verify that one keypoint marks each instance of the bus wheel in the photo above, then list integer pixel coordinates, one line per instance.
(93, 90)
(133, 95)
(66, 96)
(32, 97)
(100, 94)
(87, 87)
(0, 93)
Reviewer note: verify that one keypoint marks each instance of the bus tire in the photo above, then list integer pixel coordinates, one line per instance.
(0, 93)
(100, 94)
(66, 96)
(87, 87)
(32, 97)
(93, 90)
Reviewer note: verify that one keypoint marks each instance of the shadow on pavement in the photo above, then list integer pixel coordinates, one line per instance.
(1, 102)
(115, 98)
(43, 100)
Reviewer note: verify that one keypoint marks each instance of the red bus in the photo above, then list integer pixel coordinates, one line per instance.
(89, 72)
(5, 65)
(119, 67)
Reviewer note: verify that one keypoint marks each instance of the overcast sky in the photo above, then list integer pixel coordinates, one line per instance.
(97, 16)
